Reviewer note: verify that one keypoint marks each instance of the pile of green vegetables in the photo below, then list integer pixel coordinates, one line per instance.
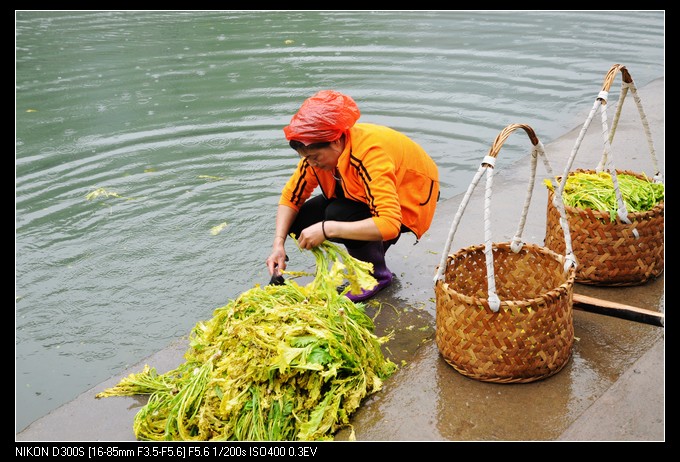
(278, 363)
(591, 190)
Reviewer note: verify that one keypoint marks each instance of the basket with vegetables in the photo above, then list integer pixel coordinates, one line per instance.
(616, 217)
(278, 363)
(609, 251)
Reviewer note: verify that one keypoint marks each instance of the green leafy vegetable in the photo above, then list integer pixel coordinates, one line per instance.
(596, 191)
(277, 363)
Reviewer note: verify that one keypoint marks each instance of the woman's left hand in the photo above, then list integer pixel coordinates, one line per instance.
(311, 237)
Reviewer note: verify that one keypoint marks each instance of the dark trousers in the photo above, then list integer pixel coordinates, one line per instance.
(319, 209)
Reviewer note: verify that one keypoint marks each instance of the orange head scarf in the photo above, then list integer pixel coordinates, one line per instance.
(322, 117)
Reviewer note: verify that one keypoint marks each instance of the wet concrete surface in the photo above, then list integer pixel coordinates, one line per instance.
(611, 389)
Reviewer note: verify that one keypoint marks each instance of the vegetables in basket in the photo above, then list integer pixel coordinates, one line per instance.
(591, 190)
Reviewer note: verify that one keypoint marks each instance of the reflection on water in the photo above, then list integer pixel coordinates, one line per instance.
(178, 116)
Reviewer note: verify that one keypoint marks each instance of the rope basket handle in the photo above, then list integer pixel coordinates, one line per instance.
(516, 245)
(607, 157)
(627, 83)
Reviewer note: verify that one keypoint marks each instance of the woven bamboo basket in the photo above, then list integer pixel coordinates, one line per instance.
(624, 252)
(608, 252)
(504, 310)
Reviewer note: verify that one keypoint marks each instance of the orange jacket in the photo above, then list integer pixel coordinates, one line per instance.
(382, 168)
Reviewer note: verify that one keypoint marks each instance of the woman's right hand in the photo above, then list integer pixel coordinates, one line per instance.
(276, 262)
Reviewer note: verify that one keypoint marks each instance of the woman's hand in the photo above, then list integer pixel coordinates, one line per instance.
(312, 236)
(276, 262)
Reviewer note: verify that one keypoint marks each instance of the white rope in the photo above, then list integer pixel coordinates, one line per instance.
(558, 202)
(608, 163)
(517, 242)
(658, 177)
(617, 114)
(625, 86)
(456, 222)
(605, 135)
(494, 301)
(622, 213)
(574, 150)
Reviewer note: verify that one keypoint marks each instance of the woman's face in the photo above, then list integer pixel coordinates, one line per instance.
(324, 158)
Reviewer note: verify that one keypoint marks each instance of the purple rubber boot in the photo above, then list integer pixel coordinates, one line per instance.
(372, 252)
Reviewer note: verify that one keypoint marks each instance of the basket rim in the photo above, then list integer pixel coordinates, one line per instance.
(555, 292)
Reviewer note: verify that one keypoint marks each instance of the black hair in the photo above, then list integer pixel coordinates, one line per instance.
(298, 145)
